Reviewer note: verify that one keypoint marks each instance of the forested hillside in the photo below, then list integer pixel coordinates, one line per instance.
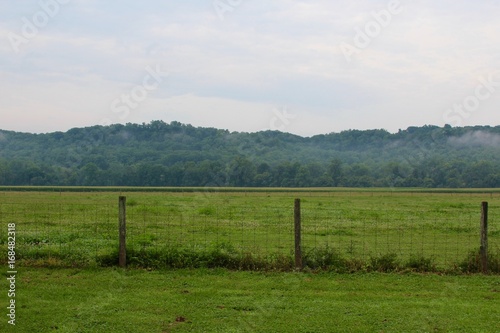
(160, 154)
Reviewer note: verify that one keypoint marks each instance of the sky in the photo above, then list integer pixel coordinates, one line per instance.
(304, 67)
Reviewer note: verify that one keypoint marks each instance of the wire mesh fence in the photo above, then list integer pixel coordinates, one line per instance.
(76, 232)
(250, 230)
(82, 228)
(365, 234)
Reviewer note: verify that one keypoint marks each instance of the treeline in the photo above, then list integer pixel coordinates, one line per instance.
(160, 154)
(242, 172)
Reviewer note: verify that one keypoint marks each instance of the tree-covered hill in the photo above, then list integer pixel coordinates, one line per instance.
(175, 154)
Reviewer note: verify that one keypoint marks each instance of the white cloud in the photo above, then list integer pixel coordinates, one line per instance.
(232, 73)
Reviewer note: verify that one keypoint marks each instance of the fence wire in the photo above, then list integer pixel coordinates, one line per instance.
(365, 234)
(255, 231)
(81, 229)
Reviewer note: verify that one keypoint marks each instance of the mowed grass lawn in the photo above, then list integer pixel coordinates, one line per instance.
(219, 300)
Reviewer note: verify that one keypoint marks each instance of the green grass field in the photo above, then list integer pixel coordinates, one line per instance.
(435, 229)
(218, 300)
(63, 238)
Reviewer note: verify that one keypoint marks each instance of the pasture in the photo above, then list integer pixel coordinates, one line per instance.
(253, 228)
(222, 261)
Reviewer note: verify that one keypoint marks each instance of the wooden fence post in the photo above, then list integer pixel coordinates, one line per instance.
(122, 229)
(484, 237)
(298, 249)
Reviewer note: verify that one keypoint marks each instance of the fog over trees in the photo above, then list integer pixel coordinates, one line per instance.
(175, 154)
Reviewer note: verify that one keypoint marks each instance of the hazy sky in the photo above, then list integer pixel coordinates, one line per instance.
(305, 67)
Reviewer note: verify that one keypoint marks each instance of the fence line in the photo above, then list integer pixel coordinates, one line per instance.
(83, 232)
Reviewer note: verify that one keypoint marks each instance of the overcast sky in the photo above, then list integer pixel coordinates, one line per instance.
(305, 67)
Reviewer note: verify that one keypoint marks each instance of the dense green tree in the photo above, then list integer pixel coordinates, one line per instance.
(90, 175)
(241, 172)
(175, 154)
(336, 172)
